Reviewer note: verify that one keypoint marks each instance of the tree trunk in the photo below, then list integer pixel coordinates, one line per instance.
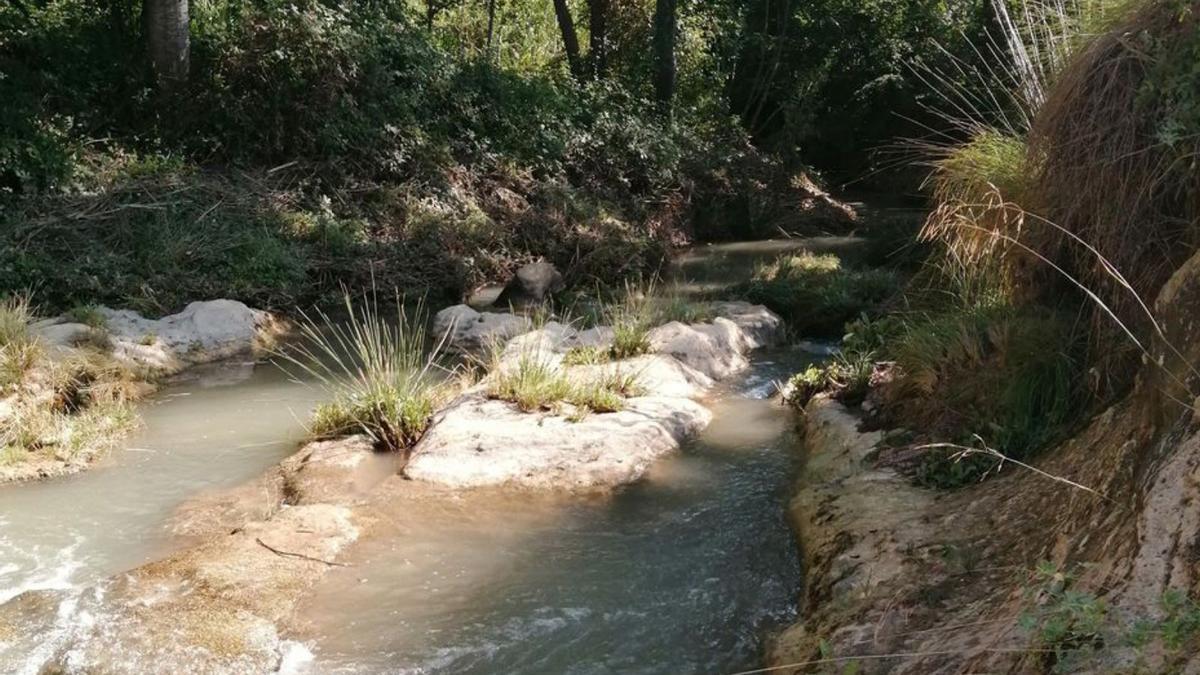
(664, 54)
(167, 39)
(570, 40)
(491, 12)
(598, 47)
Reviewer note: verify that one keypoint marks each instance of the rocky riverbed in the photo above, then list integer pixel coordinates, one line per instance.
(224, 605)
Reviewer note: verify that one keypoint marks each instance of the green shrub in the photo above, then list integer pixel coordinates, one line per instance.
(816, 295)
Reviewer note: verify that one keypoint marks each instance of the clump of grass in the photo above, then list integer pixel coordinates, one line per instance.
(816, 295)
(19, 348)
(378, 370)
(847, 377)
(535, 383)
(631, 318)
(89, 315)
(586, 356)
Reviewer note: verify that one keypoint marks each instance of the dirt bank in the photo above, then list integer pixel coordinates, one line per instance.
(983, 579)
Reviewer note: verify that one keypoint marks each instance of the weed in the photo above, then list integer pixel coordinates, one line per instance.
(535, 383)
(816, 295)
(19, 349)
(586, 356)
(88, 315)
(378, 371)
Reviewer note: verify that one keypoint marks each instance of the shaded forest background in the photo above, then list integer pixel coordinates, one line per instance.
(269, 151)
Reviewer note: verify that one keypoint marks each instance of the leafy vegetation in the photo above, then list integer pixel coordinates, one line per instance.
(816, 295)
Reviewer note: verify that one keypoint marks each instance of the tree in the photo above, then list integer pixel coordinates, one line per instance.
(664, 54)
(598, 39)
(566, 25)
(167, 40)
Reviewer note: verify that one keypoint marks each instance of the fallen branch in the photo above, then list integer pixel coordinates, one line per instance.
(300, 556)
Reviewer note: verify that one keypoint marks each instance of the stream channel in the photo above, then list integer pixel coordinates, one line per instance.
(686, 571)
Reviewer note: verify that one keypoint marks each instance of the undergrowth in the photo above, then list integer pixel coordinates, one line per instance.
(816, 295)
(57, 406)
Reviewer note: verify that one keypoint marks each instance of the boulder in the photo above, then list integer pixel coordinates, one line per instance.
(531, 285)
(466, 331)
(479, 442)
(66, 334)
(202, 332)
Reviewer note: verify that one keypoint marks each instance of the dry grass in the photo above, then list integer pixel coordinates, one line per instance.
(1107, 176)
(63, 407)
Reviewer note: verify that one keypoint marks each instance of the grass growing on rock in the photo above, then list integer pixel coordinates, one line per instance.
(816, 294)
(380, 372)
(534, 382)
(57, 406)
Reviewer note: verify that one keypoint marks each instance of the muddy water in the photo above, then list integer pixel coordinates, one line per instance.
(218, 427)
(683, 572)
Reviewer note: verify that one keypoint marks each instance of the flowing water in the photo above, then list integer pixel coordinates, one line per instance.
(217, 427)
(683, 572)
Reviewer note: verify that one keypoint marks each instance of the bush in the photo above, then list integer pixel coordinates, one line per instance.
(816, 295)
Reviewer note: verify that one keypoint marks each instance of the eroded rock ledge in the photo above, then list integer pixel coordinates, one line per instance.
(142, 351)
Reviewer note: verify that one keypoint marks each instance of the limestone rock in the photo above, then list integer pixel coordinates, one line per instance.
(466, 331)
(210, 609)
(531, 285)
(478, 442)
(715, 349)
(202, 332)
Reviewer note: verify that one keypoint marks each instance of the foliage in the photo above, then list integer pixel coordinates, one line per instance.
(816, 295)
(379, 371)
(1072, 625)
(1011, 376)
(830, 77)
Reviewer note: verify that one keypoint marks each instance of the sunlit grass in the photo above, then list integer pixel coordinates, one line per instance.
(382, 376)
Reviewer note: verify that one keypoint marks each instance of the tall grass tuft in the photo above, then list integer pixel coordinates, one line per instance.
(381, 373)
(19, 348)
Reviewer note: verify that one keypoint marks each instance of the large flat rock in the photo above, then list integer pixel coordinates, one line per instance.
(479, 442)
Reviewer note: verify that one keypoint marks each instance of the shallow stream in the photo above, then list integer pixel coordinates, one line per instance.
(684, 572)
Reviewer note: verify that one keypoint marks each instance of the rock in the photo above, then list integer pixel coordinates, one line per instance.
(715, 349)
(466, 331)
(62, 334)
(339, 471)
(531, 285)
(202, 332)
(213, 608)
(479, 442)
(760, 326)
